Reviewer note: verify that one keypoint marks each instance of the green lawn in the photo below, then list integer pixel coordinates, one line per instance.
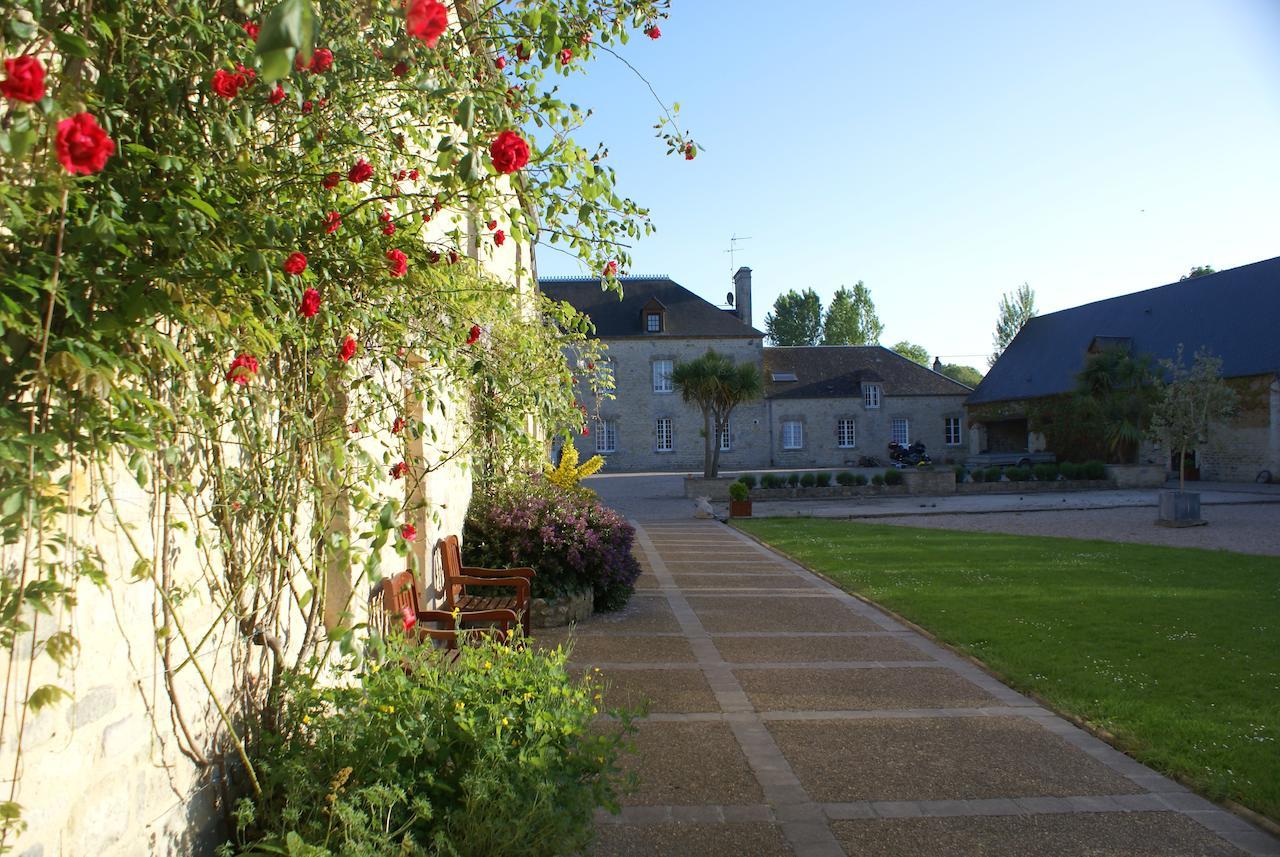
(1176, 652)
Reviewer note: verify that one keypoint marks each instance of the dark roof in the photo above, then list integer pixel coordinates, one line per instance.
(1234, 313)
(824, 371)
(686, 313)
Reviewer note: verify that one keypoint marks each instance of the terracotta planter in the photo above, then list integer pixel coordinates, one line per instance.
(739, 508)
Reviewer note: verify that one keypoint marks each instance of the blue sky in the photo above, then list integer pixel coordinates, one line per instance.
(946, 152)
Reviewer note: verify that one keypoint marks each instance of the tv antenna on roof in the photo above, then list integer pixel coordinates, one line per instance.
(733, 248)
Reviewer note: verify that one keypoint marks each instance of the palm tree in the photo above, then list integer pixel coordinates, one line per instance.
(1123, 388)
(717, 385)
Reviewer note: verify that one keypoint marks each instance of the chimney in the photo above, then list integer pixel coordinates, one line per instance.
(742, 294)
(937, 365)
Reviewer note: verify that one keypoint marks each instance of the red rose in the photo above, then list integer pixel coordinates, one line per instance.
(398, 425)
(426, 20)
(408, 532)
(585, 431)
(332, 222)
(611, 269)
(397, 263)
(399, 470)
(492, 224)
(277, 95)
(433, 257)
(509, 152)
(24, 79)
(653, 32)
(400, 69)
(453, 257)
(689, 151)
(523, 52)
(348, 349)
(565, 56)
(473, 336)
(500, 63)
(83, 147)
(242, 370)
(310, 303)
(389, 229)
(251, 29)
(360, 172)
(296, 263)
(321, 60)
(226, 83)
(331, 180)
(499, 238)
(306, 106)
(385, 216)
(426, 217)
(248, 74)
(413, 175)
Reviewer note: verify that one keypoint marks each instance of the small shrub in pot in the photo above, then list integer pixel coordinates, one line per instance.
(1093, 470)
(1045, 472)
(844, 477)
(738, 491)
(793, 480)
(877, 480)
(748, 480)
(824, 479)
(859, 479)
(1069, 470)
(991, 474)
(808, 480)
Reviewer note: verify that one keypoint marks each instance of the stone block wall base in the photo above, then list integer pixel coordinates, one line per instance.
(1180, 509)
(558, 612)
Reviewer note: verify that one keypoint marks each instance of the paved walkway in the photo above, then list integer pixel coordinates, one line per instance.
(789, 718)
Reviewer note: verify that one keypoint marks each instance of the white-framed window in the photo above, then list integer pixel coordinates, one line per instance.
(901, 431)
(663, 441)
(662, 376)
(792, 434)
(653, 322)
(846, 436)
(606, 436)
(725, 437)
(871, 396)
(951, 431)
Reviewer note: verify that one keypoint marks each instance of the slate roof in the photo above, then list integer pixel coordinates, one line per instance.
(1234, 313)
(687, 314)
(826, 371)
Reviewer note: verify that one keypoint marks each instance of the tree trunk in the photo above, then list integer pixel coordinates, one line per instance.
(715, 448)
(708, 466)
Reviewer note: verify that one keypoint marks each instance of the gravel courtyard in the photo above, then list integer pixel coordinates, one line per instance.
(1251, 528)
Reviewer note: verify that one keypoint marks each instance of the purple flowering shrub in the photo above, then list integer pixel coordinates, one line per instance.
(569, 538)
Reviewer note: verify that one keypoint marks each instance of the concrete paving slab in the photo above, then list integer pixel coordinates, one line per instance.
(668, 691)
(781, 613)
(923, 758)
(764, 582)
(702, 840)
(643, 612)
(792, 689)
(749, 650)
(1134, 834)
(689, 764)
(591, 650)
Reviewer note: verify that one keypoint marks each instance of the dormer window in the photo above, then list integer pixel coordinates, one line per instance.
(871, 396)
(653, 322)
(653, 317)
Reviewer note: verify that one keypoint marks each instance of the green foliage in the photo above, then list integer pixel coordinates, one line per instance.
(893, 476)
(960, 471)
(1093, 470)
(859, 479)
(738, 491)
(978, 475)
(1069, 470)
(1161, 647)
(716, 385)
(877, 479)
(793, 480)
(1017, 474)
(772, 480)
(748, 480)
(823, 479)
(851, 319)
(991, 474)
(1016, 309)
(844, 477)
(1198, 271)
(796, 319)
(1045, 472)
(808, 480)
(966, 375)
(911, 351)
(414, 755)
(1191, 400)
(1122, 390)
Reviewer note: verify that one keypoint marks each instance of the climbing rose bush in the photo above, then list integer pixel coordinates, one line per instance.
(571, 540)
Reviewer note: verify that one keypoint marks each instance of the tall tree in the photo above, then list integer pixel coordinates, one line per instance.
(911, 351)
(796, 319)
(966, 375)
(1198, 271)
(717, 385)
(851, 319)
(1016, 309)
(1123, 388)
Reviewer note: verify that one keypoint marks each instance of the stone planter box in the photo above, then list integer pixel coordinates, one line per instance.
(929, 480)
(1137, 475)
(830, 492)
(1180, 509)
(739, 508)
(717, 489)
(558, 612)
(1033, 487)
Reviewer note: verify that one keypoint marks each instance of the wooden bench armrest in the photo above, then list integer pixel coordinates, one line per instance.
(475, 571)
(520, 584)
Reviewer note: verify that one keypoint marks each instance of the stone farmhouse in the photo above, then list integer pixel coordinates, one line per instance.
(1235, 314)
(824, 406)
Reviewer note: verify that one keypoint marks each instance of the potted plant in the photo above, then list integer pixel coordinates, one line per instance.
(739, 500)
(1190, 402)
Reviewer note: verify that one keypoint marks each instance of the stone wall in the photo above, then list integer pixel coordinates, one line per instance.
(1250, 442)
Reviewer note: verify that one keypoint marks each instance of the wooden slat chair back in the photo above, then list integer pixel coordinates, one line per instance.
(460, 581)
(400, 613)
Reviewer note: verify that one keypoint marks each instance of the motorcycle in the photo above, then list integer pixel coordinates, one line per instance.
(908, 456)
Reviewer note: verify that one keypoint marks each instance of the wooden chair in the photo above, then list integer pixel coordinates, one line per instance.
(459, 579)
(400, 612)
